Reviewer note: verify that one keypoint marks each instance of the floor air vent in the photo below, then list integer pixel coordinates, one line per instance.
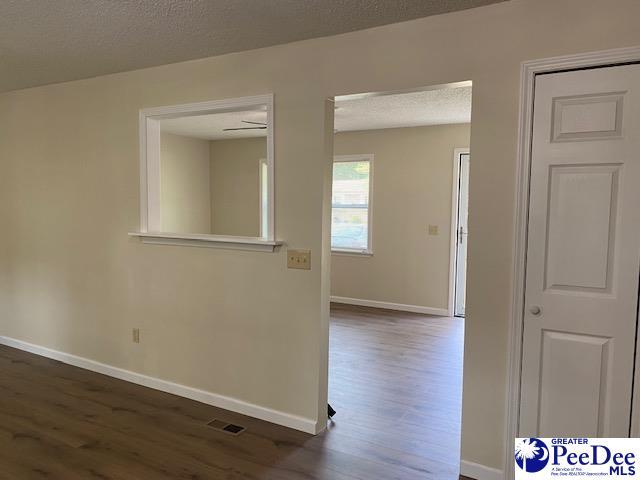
(225, 427)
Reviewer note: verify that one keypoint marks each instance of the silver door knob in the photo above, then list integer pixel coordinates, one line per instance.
(535, 310)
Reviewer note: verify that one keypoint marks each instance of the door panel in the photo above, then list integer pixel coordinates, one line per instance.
(573, 383)
(462, 233)
(587, 117)
(583, 254)
(581, 226)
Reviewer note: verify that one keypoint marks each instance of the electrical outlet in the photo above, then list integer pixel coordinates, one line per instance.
(300, 259)
(136, 335)
(433, 229)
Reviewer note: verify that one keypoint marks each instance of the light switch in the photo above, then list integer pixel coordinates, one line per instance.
(433, 229)
(300, 259)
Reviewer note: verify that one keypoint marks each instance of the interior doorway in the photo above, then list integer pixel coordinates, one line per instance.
(460, 209)
(395, 348)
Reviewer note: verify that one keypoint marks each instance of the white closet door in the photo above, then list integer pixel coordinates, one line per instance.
(583, 257)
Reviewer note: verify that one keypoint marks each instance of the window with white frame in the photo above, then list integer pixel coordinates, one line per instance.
(351, 203)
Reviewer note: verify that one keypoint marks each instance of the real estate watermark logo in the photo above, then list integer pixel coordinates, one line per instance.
(532, 454)
(578, 458)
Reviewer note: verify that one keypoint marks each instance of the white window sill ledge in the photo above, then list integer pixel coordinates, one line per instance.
(356, 253)
(204, 240)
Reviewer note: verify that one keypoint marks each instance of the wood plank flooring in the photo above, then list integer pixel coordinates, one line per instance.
(395, 381)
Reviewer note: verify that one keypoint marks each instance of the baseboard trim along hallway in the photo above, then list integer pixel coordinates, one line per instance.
(480, 472)
(306, 425)
(441, 312)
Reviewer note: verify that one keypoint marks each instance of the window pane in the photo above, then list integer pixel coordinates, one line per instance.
(349, 228)
(350, 214)
(351, 183)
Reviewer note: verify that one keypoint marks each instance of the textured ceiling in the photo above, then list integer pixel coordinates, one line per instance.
(49, 41)
(429, 107)
(447, 104)
(211, 127)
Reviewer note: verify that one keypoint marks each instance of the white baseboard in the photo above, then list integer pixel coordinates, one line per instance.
(441, 312)
(480, 472)
(228, 403)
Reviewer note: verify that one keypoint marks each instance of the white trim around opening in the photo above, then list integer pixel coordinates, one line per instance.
(150, 229)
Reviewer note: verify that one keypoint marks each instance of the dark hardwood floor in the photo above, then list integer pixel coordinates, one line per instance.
(395, 382)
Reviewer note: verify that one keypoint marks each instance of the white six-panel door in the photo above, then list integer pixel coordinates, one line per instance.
(583, 254)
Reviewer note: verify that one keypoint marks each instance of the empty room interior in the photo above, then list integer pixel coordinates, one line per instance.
(396, 333)
(337, 240)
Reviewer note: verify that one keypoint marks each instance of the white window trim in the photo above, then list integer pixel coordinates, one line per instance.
(261, 162)
(367, 252)
(150, 228)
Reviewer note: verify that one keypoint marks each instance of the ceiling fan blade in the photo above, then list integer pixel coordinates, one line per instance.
(243, 128)
(253, 123)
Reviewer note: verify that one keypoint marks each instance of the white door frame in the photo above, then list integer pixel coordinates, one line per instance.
(528, 72)
(455, 191)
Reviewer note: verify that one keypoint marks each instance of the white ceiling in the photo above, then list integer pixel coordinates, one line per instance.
(49, 41)
(429, 107)
(211, 127)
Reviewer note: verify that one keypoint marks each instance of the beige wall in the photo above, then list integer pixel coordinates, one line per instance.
(235, 185)
(239, 323)
(211, 186)
(412, 181)
(185, 199)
